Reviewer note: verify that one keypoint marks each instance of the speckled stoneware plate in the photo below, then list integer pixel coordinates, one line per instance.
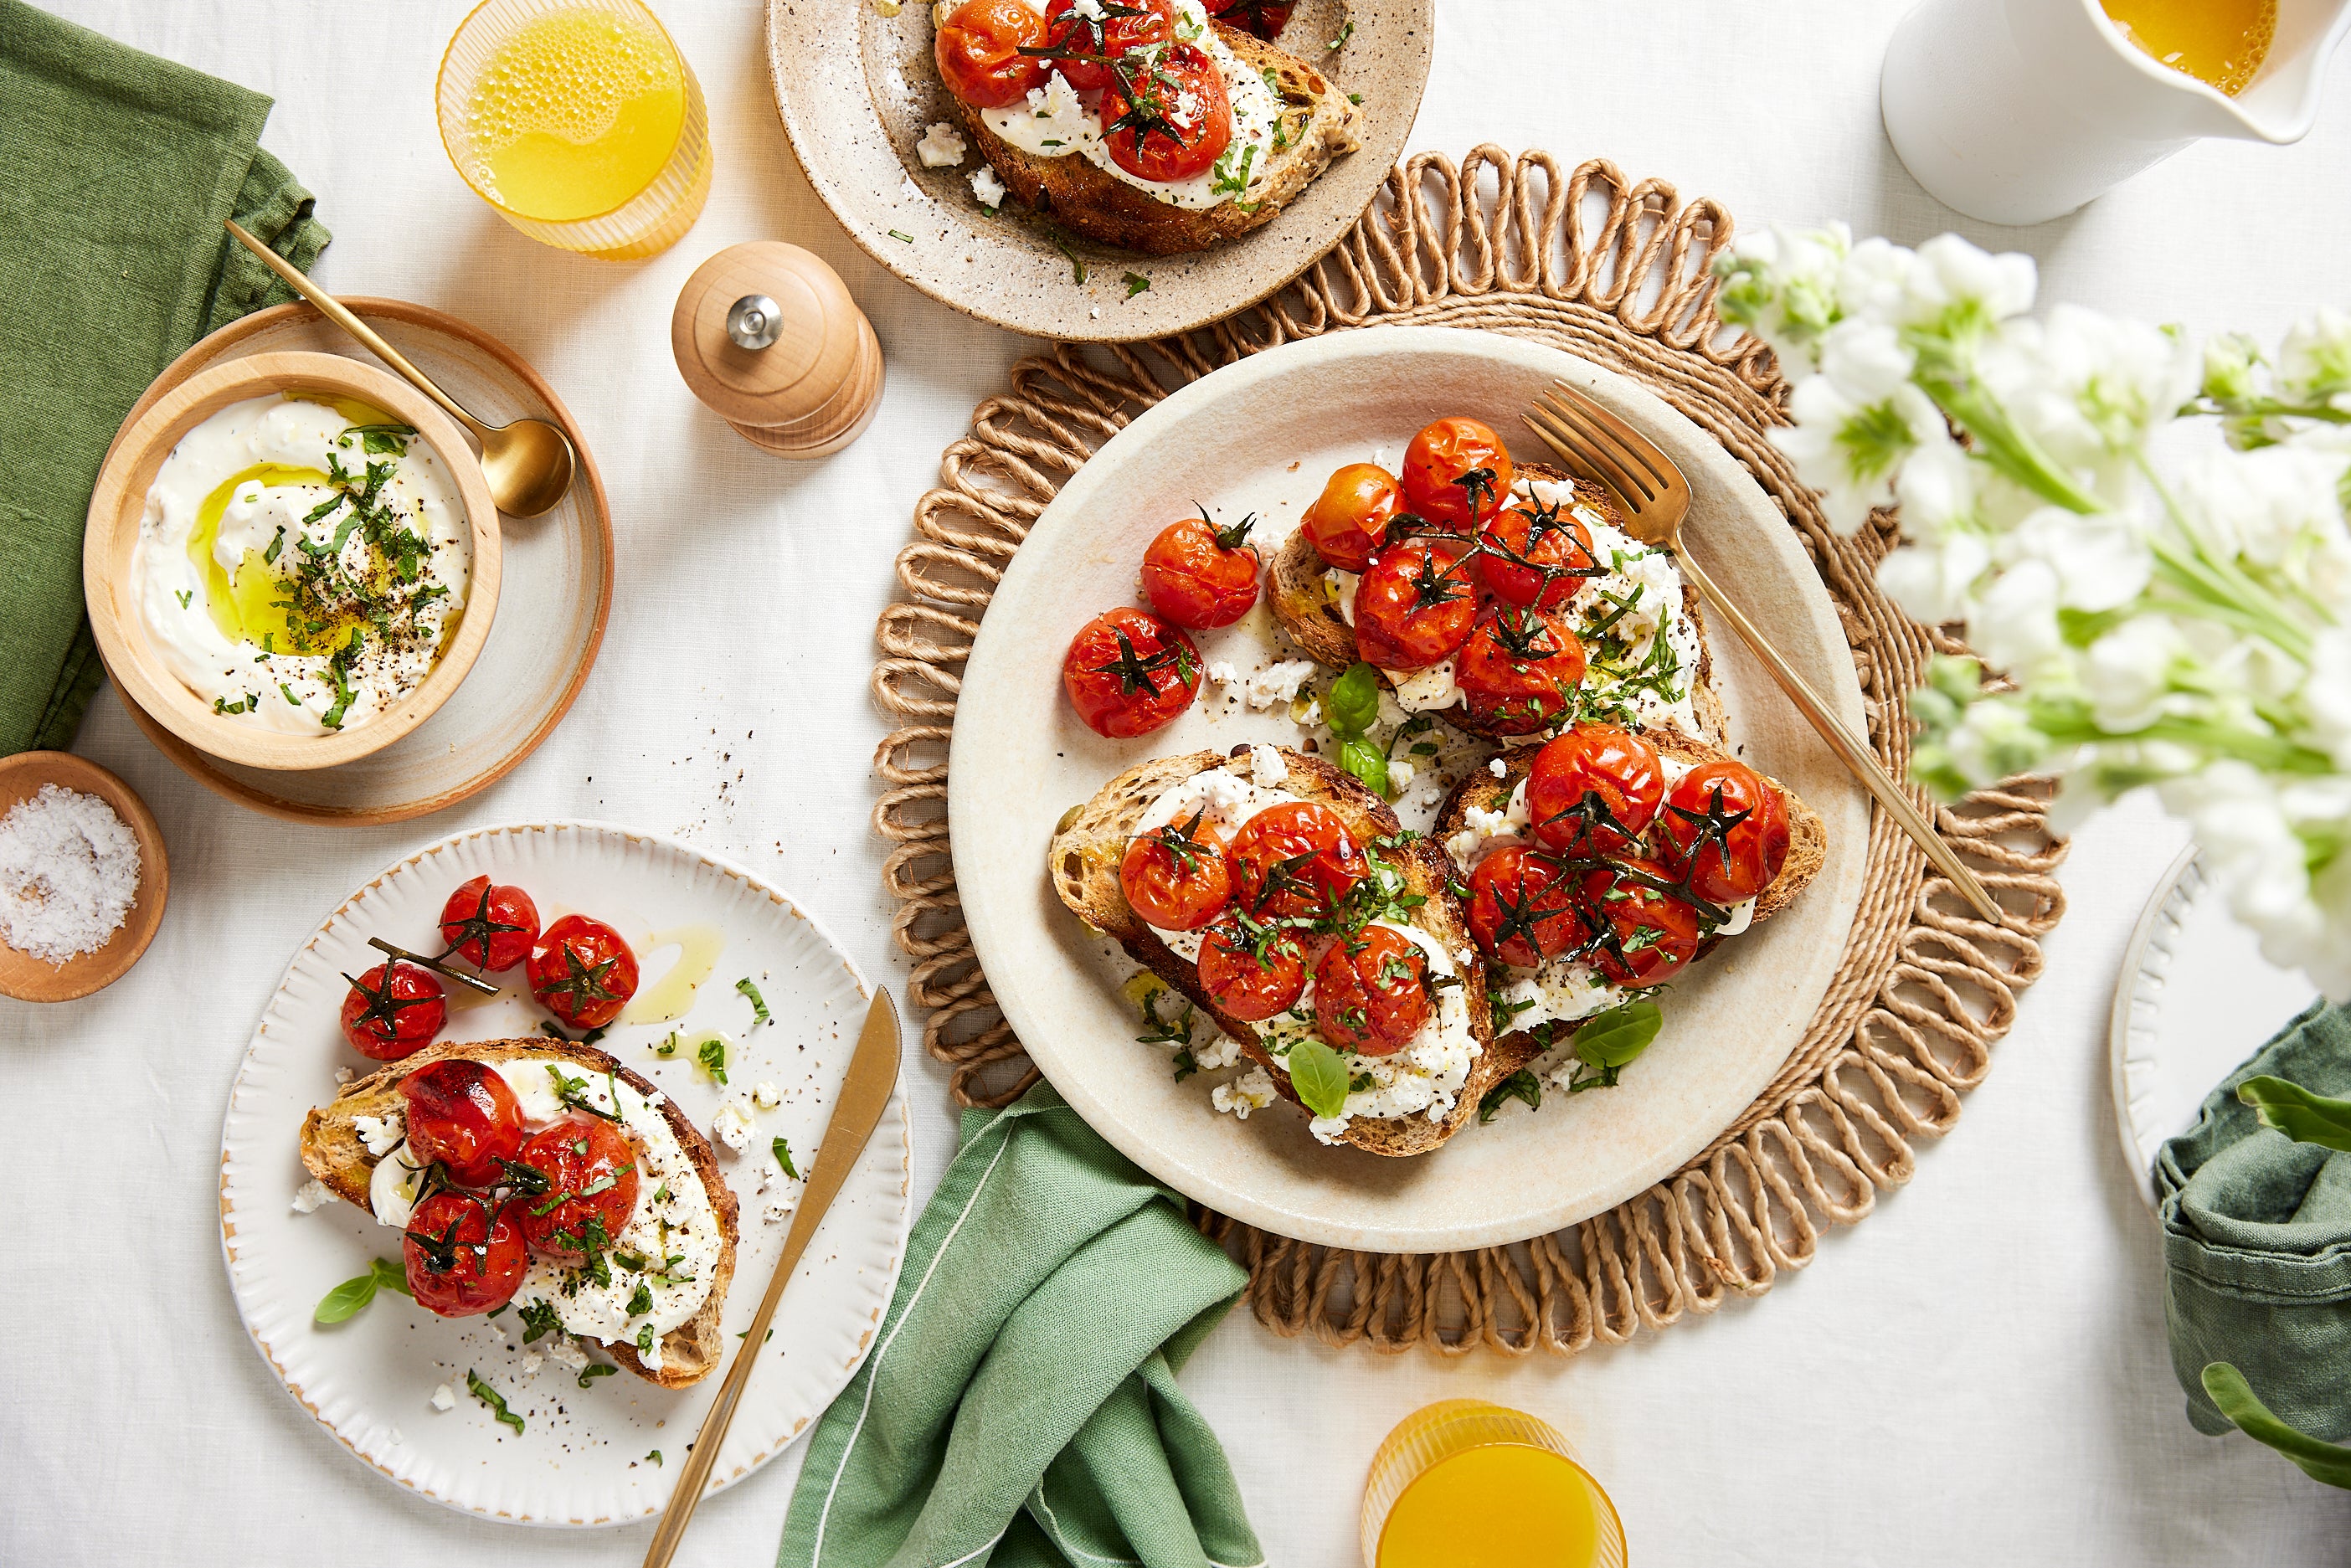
(583, 1457)
(1261, 435)
(855, 131)
(2194, 999)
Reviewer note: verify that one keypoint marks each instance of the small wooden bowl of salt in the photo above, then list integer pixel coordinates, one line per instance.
(82, 877)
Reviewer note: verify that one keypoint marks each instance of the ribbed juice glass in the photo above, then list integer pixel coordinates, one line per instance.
(1468, 1483)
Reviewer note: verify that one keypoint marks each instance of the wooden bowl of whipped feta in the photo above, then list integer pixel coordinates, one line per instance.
(291, 559)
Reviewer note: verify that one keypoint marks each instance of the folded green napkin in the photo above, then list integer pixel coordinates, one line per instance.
(116, 169)
(1020, 1407)
(2257, 1242)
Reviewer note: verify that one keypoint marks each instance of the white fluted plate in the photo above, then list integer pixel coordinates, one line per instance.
(583, 1457)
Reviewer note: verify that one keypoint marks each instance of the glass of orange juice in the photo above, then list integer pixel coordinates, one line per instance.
(1466, 1484)
(579, 121)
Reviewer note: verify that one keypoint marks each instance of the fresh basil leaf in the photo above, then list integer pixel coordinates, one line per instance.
(493, 1398)
(2304, 1117)
(1353, 705)
(782, 1149)
(1366, 762)
(594, 1370)
(346, 1299)
(392, 1277)
(2327, 1463)
(1319, 1076)
(759, 1002)
(1520, 1085)
(1615, 1037)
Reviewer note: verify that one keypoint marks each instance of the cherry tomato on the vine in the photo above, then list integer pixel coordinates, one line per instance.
(1348, 523)
(1594, 791)
(1535, 555)
(1726, 832)
(1651, 933)
(1370, 992)
(1175, 876)
(1252, 972)
(1127, 672)
(1519, 670)
(1261, 18)
(979, 49)
(1457, 472)
(394, 1010)
(491, 926)
(1523, 908)
(460, 1259)
(583, 972)
(1167, 118)
(1092, 39)
(585, 1180)
(1295, 861)
(1201, 576)
(463, 1115)
(1414, 608)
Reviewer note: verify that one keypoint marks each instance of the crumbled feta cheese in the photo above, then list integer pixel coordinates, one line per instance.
(732, 1126)
(778, 1195)
(1313, 713)
(566, 1352)
(1329, 1129)
(309, 1195)
(1278, 683)
(1400, 773)
(1496, 766)
(1252, 1091)
(987, 186)
(1221, 671)
(1221, 1050)
(766, 1098)
(342, 1075)
(942, 146)
(531, 1362)
(1267, 768)
(381, 1134)
(444, 1398)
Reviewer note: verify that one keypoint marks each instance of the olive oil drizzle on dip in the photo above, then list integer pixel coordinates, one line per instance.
(302, 562)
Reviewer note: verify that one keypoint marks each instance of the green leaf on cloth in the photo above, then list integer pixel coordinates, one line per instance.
(1021, 1406)
(116, 169)
(2304, 1117)
(2325, 1462)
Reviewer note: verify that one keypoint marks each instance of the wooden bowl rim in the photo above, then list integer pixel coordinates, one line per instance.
(87, 972)
(119, 503)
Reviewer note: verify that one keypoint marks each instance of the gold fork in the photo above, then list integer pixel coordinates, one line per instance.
(1597, 446)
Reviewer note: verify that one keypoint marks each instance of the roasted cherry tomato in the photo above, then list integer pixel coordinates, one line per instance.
(1523, 908)
(464, 1115)
(1128, 673)
(1264, 18)
(1536, 555)
(1199, 575)
(394, 1010)
(978, 50)
(462, 1260)
(1176, 875)
(1646, 934)
(1457, 473)
(1167, 119)
(583, 1188)
(1370, 992)
(1594, 791)
(1348, 523)
(1414, 608)
(582, 972)
(1091, 41)
(491, 926)
(1295, 861)
(1252, 972)
(1726, 832)
(1519, 670)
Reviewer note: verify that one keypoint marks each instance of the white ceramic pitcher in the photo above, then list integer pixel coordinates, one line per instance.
(2017, 111)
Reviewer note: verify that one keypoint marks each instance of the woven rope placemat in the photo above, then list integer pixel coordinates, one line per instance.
(1618, 272)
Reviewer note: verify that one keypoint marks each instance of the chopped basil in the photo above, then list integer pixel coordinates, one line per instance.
(1136, 283)
(594, 1370)
(643, 1301)
(493, 1398)
(783, 1150)
(538, 1318)
(759, 1002)
(1520, 1085)
(712, 1054)
(896, 235)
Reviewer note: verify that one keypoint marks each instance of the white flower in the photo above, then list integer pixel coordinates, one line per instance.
(2127, 673)
(2015, 623)
(1783, 285)
(1866, 360)
(2254, 855)
(2087, 386)
(2314, 359)
(1875, 281)
(2232, 367)
(1996, 740)
(2102, 560)
(2277, 506)
(1938, 489)
(2327, 695)
(1957, 285)
(1934, 584)
(1850, 452)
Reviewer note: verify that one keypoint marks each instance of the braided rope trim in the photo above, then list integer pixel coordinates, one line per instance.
(1618, 272)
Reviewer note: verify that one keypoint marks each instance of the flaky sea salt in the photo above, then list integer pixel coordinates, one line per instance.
(69, 874)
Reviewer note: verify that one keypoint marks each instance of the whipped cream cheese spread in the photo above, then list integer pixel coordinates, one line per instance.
(1058, 121)
(1423, 1077)
(302, 564)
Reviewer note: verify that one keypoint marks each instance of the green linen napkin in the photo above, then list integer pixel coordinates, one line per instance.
(2257, 1241)
(1020, 1407)
(116, 169)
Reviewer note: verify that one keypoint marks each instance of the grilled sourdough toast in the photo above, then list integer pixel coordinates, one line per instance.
(1807, 842)
(1084, 863)
(1298, 596)
(333, 1152)
(1318, 126)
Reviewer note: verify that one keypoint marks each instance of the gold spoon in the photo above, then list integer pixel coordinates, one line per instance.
(529, 464)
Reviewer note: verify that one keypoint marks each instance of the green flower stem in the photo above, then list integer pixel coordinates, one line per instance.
(1946, 374)
(2067, 721)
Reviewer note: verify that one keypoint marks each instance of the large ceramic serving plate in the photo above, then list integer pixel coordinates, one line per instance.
(1260, 436)
(854, 120)
(585, 1454)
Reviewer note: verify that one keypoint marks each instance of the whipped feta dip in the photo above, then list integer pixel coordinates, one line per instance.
(300, 564)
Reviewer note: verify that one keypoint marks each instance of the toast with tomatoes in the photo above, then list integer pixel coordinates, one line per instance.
(334, 1154)
(1084, 861)
(1318, 126)
(1807, 841)
(1304, 606)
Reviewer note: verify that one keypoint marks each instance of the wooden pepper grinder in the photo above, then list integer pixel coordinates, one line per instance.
(767, 336)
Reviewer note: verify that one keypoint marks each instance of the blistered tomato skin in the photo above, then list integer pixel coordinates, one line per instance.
(586, 1175)
(1655, 933)
(1200, 576)
(394, 1010)
(1370, 992)
(1243, 984)
(1295, 861)
(1176, 876)
(463, 1115)
(492, 927)
(1519, 670)
(1594, 791)
(1128, 673)
(1415, 606)
(1348, 523)
(1095, 42)
(1259, 18)
(1457, 473)
(1169, 120)
(1726, 832)
(1523, 908)
(978, 52)
(583, 972)
(1535, 556)
(460, 1259)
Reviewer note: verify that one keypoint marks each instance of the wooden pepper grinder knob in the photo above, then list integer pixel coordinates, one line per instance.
(767, 336)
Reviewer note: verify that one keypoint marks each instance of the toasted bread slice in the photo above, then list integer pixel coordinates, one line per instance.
(1302, 607)
(1318, 125)
(332, 1151)
(1084, 861)
(1807, 840)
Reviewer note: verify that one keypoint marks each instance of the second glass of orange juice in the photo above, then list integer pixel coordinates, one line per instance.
(579, 121)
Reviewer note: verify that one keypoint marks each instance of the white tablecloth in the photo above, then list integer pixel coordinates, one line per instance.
(1975, 1375)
